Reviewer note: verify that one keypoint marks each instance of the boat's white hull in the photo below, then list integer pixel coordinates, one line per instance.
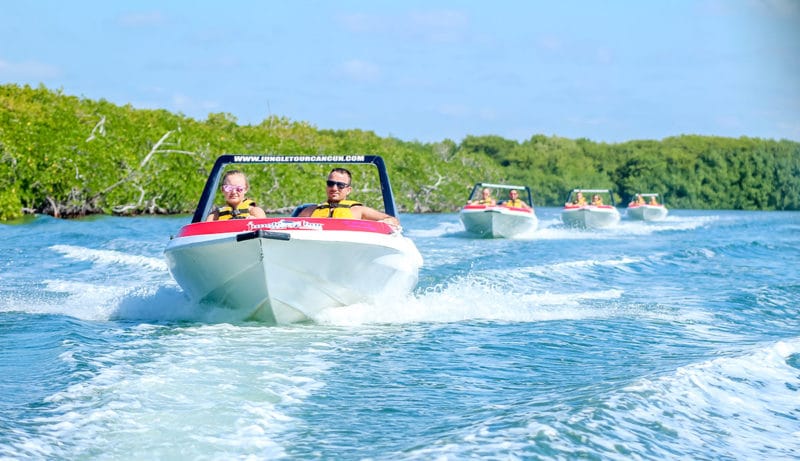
(498, 222)
(647, 212)
(590, 217)
(286, 276)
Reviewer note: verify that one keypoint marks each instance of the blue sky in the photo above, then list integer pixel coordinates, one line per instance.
(609, 71)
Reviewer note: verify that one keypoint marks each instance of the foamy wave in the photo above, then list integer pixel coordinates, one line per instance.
(438, 231)
(681, 223)
(482, 296)
(159, 300)
(471, 299)
(91, 301)
(82, 300)
(572, 269)
(741, 407)
(621, 262)
(141, 388)
(109, 257)
(554, 229)
(670, 223)
(737, 404)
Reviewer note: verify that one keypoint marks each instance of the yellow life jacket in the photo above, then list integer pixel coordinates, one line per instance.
(227, 212)
(514, 203)
(335, 210)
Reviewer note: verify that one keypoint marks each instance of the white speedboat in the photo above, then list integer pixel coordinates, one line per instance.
(588, 215)
(646, 211)
(287, 269)
(499, 220)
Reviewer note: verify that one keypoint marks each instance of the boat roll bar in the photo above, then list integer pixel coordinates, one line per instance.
(481, 185)
(206, 199)
(594, 191)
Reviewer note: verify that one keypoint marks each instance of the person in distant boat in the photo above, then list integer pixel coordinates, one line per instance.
(579, 199)
(234, 187)
(486, 198)
(653, 200)
(338, 187)
(597, 200)
(639, 200)
(514, 201)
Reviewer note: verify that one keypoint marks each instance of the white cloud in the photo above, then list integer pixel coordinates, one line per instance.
(193, 108)
(454, 110)
(361, 71)
(488, 114)
(465, 111)
(440, 26)
(790, 130)
(360, 22)
(550, 43)
(434, 25)
(604, 56)
(27, 70)
(728, 122)
(588, 121)
(142, 19)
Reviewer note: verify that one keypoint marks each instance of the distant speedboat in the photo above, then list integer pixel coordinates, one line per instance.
(646, 211)
(498, 220)
(287, 269)
(584, 214)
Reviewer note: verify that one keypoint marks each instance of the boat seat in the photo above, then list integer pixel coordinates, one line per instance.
(300, 209)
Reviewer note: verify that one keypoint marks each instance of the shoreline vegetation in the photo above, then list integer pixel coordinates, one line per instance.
(67, 157)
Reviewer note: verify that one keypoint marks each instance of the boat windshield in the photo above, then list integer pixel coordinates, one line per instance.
(499, 193)
(280, 187)
(605, 196)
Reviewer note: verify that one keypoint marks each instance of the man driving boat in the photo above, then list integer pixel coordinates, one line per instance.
(338, 187)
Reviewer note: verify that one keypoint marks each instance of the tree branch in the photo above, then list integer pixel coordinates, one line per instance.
(100, 128)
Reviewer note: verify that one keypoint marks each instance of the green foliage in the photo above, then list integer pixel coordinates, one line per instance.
(689, 171)
(10, 204)
(69, 156)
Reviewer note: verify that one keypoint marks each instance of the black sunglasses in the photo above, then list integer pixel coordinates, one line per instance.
(339, 185)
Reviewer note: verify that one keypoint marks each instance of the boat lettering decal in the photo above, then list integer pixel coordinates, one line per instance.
(296, 158)
(285, 224)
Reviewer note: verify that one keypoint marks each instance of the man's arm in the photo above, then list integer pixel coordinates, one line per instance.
(375, 215)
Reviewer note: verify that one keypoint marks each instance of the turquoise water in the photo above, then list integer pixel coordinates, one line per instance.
(678, 339)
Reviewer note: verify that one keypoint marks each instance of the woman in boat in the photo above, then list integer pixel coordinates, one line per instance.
(597, 200)
(639, 200)
(486, 198)
(514, 201)
(338, 187)
(653, 200)
(234, 187)
(579, 200)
